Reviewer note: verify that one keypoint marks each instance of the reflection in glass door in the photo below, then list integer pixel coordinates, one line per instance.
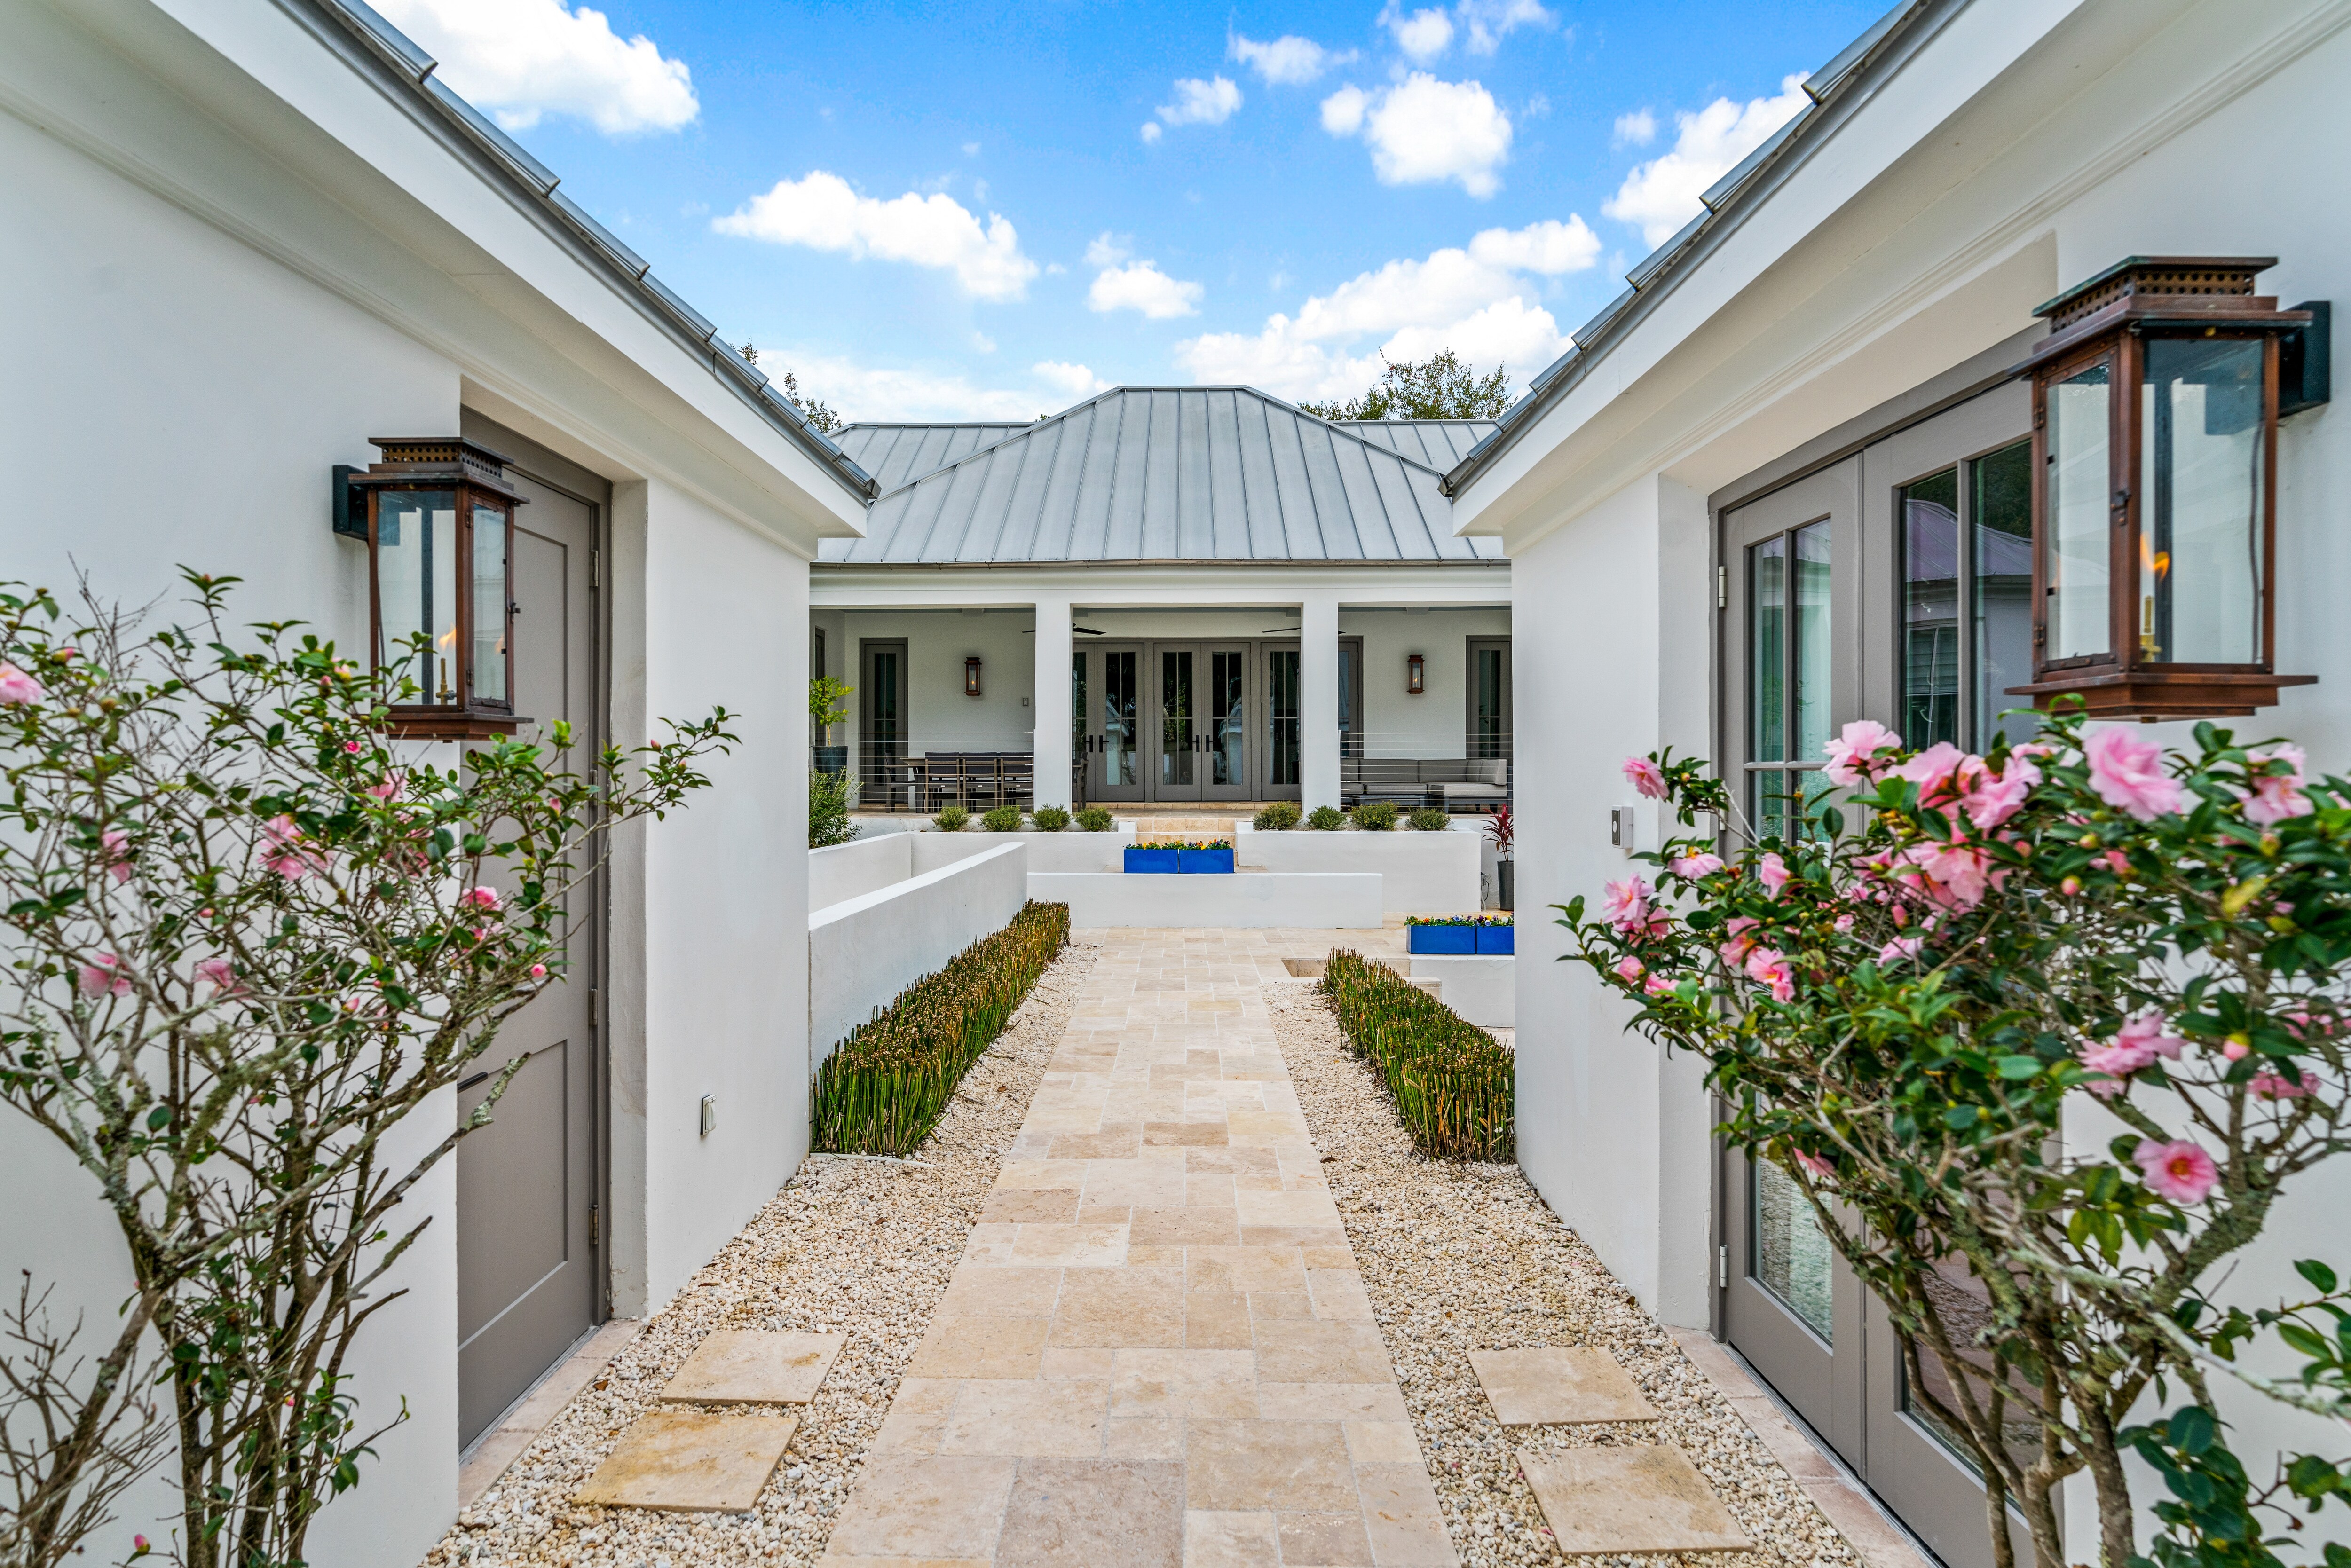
(1108, 682)
(1179, 740)
(1281, 777)
(1788, 678)
(1224, 710)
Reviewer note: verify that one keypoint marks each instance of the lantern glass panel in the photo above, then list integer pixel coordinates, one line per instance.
(2078, 568)
(416, 584)
(489, 650)
(2200, 461)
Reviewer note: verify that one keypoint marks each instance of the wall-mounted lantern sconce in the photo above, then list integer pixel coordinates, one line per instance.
(1415, 671)
(971, 676)
(2156, 400)
(437, 515)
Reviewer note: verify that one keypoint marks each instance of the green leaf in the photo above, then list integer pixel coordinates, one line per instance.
(2020, 1067)
(2321, 1277)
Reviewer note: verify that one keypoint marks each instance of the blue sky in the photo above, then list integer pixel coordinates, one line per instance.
(990, 211)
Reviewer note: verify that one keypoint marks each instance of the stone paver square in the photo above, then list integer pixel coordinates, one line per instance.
(1079, 1514)
(690, 1461)
(1290, 1466)
(919, 1507)
(1558, 1386)
(754, 1367)
(1639, 1500)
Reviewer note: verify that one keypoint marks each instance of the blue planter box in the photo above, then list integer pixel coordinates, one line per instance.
(1194, 862)
(1145, 859)
(1442, 941)
(1495, 941)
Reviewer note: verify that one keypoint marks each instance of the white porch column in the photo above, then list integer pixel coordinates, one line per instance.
(1318, 700)
(1052, 702)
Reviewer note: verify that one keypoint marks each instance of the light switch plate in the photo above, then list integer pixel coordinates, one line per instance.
(709, 1115)
(1621, 827)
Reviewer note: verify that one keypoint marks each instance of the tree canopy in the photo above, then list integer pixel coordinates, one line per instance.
(1438, 387)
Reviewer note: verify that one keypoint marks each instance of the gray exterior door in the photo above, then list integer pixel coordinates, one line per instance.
(530, 1278)
(1111, 679)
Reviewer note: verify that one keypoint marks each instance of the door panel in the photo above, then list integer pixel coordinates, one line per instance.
(1224, 724)
(881, 725)
(1177, 736)
(529, 1280)
(1279, 778)
(1112, 745)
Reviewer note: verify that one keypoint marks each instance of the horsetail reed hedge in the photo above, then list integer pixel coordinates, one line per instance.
(1451, 1082)
(885, 1087)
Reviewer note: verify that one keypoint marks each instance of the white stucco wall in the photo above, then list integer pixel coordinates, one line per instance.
(1434, 724)
(1325, 901)
(865, 950)
(939, 716)
(1420, 874)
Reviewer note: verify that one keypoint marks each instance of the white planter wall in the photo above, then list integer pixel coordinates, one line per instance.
(865, 950)
(1421, 874)
(1483, 991)
(862, 865)
(1065, 851)
(1327, 902)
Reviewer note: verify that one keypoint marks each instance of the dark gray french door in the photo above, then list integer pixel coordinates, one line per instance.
(881, 725)
(1279, 777)
(1894, 585)
(1199, 734)
(529, 1276)
(1110, 693)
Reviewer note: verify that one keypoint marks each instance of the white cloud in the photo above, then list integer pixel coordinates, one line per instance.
(1150, 132)
(971, 149)
(1423, 128)
(1489, 21)
(823, 212)
(983, 342)
(1474, 300)
(1073, 381)
(1197, 102)
(1141, 286)
(1637, 129)
(1106, 251)
(1288, 59)
(519, 59)
(1422, 35)
(1661, 196)
(1343, 112)
(880, 392)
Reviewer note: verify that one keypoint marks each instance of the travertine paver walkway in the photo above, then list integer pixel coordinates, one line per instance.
(1157, 1349)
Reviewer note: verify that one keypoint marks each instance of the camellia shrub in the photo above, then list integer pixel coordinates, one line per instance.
(248, 937)
(2066, 1016)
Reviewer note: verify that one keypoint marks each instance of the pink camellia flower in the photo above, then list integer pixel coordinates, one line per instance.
(1654, 986)
(1901, 947)
(117, 845)
(1934, 771)
(2117, 862)
(1817, 1167)
(2236, 1050)
(1992, 799)
(102, 974)
(2275, 1086)
(2127, 773)
(17, 688)
(2277, 796)
(353, 747)
(283, 852)
(1645, 776)
(1953, 876)
(219, 973)
(1853, 755)
(386, 789)
(1627, 907)
(480, 898)
(1738, 944)
(1767, 966)
(2135, 1045)
(1694, 867)
(1843, 924)
(2070, 886)
(1629, 968)
(2179, 1171)
(539, 971)
(139, 1546)
(1772, 872)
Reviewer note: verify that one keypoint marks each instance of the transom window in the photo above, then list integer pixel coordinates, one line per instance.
(1788, 665)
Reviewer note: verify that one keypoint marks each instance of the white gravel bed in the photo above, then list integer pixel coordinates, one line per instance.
(1461, 1256)
(860, 1247)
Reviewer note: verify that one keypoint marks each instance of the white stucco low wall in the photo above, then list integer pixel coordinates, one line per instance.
(1421, 874)
(866, 949)
(1328, 901)
(1065, 851)
(862, 865)
(1483, 991)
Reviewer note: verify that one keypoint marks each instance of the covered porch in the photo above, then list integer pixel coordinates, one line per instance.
(1192, 691)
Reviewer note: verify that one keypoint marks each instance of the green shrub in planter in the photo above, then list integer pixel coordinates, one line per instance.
(885, 1087)
(951, 819)
(1377, 816)
(830, 794)
(1451, 1082)
(1096, 820)
(1000, 820)
(1326, 819)
(1431, 819)
(1278, 818)
(1050, 819)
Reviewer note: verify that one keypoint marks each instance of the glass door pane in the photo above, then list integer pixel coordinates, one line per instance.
(1281, 720)
(1176, 715)
(1121, 732)
(1788, 1253)
(1928, 533)
(1228, 720)
(1999, 504)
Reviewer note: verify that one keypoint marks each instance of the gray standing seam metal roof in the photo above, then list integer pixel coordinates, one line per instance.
(1438, 443)
(894, 454)
(1149, 473)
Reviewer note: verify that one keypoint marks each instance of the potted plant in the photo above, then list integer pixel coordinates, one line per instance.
(1209, 857)
(1150, 858)
(1440, 935)
(1498, 936)
(1502, 831)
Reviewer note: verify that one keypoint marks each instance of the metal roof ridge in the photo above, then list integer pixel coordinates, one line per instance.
(412, 66)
